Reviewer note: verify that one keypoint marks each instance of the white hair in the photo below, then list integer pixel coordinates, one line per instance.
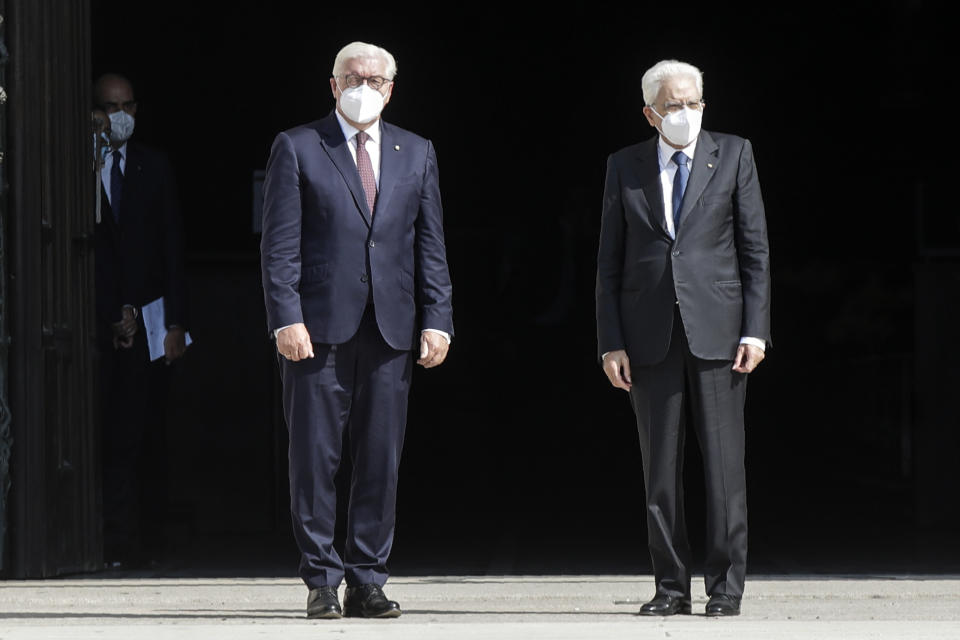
(364, 50)
(664, 69)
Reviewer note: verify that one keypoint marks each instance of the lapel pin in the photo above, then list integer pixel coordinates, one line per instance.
(709, 166)
(396, 147)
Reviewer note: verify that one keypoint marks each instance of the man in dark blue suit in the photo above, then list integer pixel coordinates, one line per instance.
(355, 278)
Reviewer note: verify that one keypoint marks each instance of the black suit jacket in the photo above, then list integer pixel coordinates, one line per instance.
(322, 248)
(717, 269)
(141, 258)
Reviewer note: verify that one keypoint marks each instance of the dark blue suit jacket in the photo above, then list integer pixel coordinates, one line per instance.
(322, 248)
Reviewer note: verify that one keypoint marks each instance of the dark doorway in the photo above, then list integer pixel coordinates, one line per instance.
(519, 457)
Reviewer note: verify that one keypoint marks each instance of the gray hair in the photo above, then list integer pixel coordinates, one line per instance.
(364, 50)
(664, 69)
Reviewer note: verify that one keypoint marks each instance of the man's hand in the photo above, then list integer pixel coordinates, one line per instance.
(294, 343)
(433, 349)
(127, 326)
(616, 365)
(175, 344)
(748, 357)
(125, 329)
(119, 341)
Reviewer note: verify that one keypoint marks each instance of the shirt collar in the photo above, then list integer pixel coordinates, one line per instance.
(349, 130)
(665, 151)
(122, 150)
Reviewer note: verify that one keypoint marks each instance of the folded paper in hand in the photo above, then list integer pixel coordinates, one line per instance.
(155, 322)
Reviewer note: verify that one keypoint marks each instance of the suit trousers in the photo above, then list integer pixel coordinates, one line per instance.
(133, 396)
(712, 396)
(359, 388)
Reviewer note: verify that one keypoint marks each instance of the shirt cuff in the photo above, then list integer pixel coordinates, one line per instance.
(446, 336)
(276, 331)
(756, 342)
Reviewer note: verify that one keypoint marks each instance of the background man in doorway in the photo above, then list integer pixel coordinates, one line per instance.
(139, 260)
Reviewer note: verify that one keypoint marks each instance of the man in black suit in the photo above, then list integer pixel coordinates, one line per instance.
(139, 259)
(355, 281)
(683, 315)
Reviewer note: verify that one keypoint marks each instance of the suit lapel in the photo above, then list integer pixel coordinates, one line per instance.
(106, 215)
(705, 160)
(390, 160)
(132, 176)
(133, 172)
(333, 142)
(649, 173)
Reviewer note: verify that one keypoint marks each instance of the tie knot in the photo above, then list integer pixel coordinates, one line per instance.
(680, 158)
(362, 137)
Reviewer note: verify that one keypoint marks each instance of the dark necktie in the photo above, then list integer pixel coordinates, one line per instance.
(365, 168)
(116, 185)
(679, 185)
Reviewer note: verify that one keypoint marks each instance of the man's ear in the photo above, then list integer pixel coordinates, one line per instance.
(651, 117)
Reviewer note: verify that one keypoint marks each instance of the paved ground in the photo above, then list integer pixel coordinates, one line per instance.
(527, 608)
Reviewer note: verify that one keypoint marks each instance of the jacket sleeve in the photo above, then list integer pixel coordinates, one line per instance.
(280, 242)
(434, 290)
(753, 251)
(610, 264)
(174, 273)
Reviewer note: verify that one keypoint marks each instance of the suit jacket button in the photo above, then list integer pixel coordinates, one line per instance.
(371, 244)
(363, 278)
(675, 254)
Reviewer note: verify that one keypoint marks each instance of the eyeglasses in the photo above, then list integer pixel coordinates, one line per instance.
(111, 107)
(374, 82)
(673, 107)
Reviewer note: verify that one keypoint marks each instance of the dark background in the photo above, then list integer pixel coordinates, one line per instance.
(519, 457)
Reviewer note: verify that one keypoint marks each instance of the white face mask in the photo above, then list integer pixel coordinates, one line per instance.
(121, 126)
(681, 127)
(361, 104)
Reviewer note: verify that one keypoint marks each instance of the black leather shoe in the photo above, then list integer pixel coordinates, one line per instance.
(323, 603)
(723, 605)
(368, 601)
(664, 605)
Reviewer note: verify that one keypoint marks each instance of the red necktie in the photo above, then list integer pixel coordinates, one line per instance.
(365, 168)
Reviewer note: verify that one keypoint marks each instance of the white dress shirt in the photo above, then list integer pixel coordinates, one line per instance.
(372, 145)
(108, 167)
(668, 171)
